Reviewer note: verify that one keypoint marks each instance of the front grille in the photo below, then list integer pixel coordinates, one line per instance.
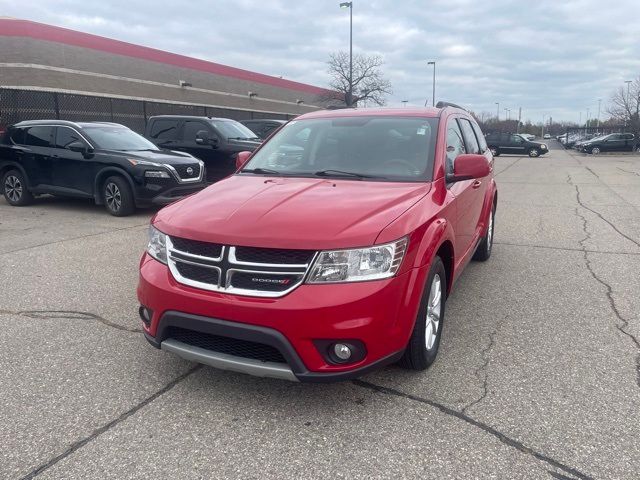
(263, 282)
(198, 274)
(194, 247)
(273, 255)
(182, 171)
(227, 345)
(262, 272)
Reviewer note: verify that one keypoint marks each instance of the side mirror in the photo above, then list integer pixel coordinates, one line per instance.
(241, 159)
(203, 138)
(78, 147)
(469, 166)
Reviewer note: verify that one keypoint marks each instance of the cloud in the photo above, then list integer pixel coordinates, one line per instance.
(548, 57)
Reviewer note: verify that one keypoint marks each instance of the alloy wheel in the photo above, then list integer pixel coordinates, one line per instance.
(13, 188)
(113, 197)
(595, 150)
(434, 310)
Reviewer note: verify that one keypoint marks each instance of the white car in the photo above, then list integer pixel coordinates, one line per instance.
(547, 136)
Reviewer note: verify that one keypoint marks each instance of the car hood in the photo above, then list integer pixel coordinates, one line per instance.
(158, 156)
(302, 213)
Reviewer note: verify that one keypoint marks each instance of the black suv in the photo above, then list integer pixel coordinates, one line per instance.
(105, 161)
(263, 127)
(512, 143)
(615, 142)
(215, 141)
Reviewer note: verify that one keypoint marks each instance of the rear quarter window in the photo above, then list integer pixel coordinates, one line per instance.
(17, 136)
(481, 140)
(164, 129)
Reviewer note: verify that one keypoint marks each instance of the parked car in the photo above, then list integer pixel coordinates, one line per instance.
(614, 142)
(547, 136)
(107, 162)
(215, 141)
(527, 136)
(327, 263)
(262, 127)
(511, 143)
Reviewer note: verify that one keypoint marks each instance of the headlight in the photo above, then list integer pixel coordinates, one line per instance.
(157, 246)
(544, 146)
(156, 174)
(382, 261)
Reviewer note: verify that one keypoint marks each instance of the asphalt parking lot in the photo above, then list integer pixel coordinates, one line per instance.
(538, 374)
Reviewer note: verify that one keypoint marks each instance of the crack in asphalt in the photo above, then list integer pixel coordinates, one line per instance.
(481, 372)
(599, 215)
(69, 315)
(624, 323)
(626, 171)
(108, 426)
(478, 424)
(566, 249)
(74, 238)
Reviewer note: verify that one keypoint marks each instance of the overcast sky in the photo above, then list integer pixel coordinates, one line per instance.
(553, 57)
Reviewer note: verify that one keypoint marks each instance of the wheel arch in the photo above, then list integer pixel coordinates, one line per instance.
(6, 166)
(105, 173)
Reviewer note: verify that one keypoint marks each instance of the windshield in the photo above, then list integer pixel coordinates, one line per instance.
(232, 129)
(390, 148)
(118, 138)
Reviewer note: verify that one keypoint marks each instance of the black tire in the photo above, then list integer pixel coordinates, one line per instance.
(14, 186)
(495, 151)
(118, 197)
(534, 152)
(483, 250)
(417, 356)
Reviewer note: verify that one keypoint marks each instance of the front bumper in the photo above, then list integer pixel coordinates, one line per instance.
(380, 314)
(147, 197)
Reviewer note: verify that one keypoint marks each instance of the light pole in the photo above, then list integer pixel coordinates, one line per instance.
(433, 94)
(627, 106)
(404, 103)
(542, 134)
(508, 114)
(349, 5)
(498, 111)
(599, 103)
(586, 124)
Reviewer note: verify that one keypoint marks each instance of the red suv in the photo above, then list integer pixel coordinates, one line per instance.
(330, 252)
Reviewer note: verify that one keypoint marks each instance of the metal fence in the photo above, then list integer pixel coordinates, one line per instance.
(17, 105)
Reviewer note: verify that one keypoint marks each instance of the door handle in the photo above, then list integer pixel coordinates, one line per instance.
(476, 184)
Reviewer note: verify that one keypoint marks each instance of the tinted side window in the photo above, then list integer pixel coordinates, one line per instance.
(469, 136)
(17, 136)
(38, 136)
(517, 139)
(455, 144)
(191, 129)
(270, 127)
(164, 129)
(65, 136)
(481, 140)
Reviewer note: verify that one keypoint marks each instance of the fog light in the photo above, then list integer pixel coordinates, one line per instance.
(342, 351)
(145, 315)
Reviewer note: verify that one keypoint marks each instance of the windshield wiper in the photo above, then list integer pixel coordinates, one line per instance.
(341, 173)
(267, 171)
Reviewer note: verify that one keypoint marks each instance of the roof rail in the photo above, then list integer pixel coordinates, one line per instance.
(442, 104)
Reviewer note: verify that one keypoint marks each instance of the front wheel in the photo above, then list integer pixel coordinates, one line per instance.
(14, 185)
(595, 150)
(494, 151)
(118, 197)
(422, 348)
(534, 152)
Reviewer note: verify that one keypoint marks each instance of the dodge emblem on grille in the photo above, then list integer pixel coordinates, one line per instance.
(284, 281)
(189, 171)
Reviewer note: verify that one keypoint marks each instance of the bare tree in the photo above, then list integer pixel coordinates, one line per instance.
(368, 81)
(625, 106)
